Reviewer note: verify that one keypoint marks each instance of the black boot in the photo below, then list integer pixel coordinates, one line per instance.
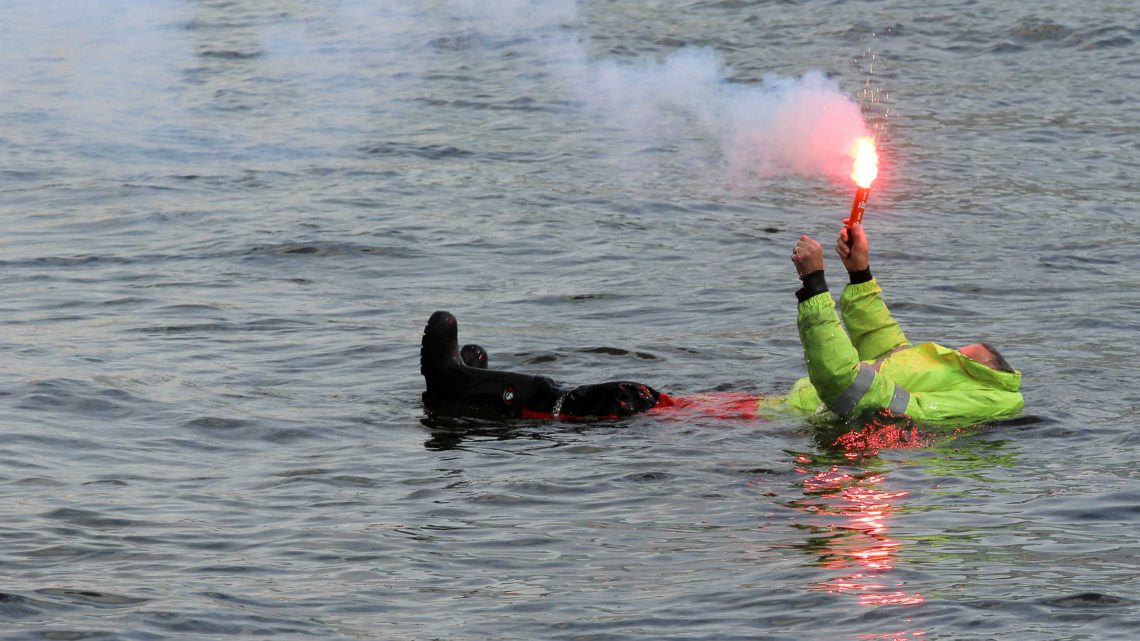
(453, 387)
(473, 356)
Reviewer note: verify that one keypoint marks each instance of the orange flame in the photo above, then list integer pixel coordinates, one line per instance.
(866, 167)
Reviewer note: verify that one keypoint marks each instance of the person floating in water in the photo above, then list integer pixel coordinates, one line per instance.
(869, 367)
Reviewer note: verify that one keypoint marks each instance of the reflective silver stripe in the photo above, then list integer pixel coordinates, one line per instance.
(899, 400)
(882, 359)
(855, 391)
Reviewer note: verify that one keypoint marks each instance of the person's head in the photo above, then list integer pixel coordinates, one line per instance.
(985, 354)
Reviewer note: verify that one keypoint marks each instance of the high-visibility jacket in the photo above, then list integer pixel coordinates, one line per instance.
(873, 366)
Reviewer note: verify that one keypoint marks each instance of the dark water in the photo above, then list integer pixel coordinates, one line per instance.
(225, 224)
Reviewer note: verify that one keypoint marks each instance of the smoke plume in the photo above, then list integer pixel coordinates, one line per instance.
(784, 125)
(686, 99)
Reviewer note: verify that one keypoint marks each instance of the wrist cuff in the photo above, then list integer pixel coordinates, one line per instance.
(861, 276)
(814, 284)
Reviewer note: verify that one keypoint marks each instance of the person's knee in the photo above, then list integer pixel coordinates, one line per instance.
(613, 399)
(635, 397)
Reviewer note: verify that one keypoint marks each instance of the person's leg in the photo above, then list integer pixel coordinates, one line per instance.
(454, 387)
(461, 384)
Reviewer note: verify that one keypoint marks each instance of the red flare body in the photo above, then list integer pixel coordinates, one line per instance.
(857, 207)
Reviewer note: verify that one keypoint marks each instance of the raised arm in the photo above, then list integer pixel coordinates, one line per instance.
(844, 384)
(873, 331)
(832, 362)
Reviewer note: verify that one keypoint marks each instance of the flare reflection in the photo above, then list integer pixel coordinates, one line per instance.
(852, 511)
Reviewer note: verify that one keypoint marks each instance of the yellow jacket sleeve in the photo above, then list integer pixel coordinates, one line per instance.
(873, 331)
(833, 363)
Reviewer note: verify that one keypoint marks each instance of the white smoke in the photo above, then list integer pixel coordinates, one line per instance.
(801, 125)
(805, 125)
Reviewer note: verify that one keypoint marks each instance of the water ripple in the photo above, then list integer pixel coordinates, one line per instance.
(226, 224)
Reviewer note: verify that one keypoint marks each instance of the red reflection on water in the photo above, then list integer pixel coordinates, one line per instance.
(885, 432)
(852, 511)
(895, 636)
(720, 405)
(855, 536)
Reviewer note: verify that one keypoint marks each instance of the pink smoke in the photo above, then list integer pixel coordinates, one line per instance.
(805, 126)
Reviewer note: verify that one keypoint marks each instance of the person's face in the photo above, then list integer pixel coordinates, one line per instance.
(978, 352)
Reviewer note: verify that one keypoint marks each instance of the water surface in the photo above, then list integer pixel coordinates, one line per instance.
(226, 223)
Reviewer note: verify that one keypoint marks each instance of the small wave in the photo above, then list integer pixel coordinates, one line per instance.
(1007, 47)
(108, 482)
(539, 359)
(229, 54)
(262, 325)
(77, 397)
(185, 309)
(72, 261)
(648, 477)
(90, 519)
(1034, 30)
(444, 152)
(1088, 600)
(92, 597)
(334, 480)
(1084, 264)
(617, 351)
(524, 103)
(1110, 43)
(214, 424)
(861, 30)
(325, 249)
(459, 41)
(234, 429)
(1113, 507)
(17, 174)
(577, 298)
(1032, 33)
(431, 152)
(15, 607)
(472, 39)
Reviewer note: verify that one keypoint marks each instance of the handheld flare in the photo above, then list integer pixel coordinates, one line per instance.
(864, 172)
(857, 207)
